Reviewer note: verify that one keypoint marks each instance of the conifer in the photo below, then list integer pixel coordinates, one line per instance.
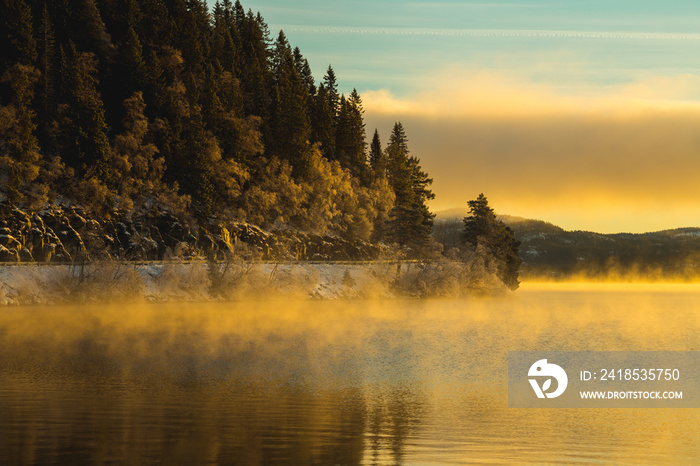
(377, 157)
(483, 229)
(17, 42)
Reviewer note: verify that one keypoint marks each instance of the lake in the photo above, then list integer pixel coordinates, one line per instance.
(332, 382)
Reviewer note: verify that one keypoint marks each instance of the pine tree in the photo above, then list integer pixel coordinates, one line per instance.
(480, 222)
(421, 195)
(398, 138)
(222, 46)
(289, 121)
(410, 221)
(154, 87)
(333, 97)
(377, 157)
(239, 15)
(48, 81)
(194, 37)
(304, 70)
(323, 123)
(419, 183)
(357, 146)
(88, 31)
(482, 228)
(194, 169)
(280, 57)
(228, 16)
(212, 107)
(350, 136)
(342, 125)
(398, 172)
(254, 69)
(193, 103)
(155, 27)
(132, 65)
(118, 16)
(19, 148)
(325, 115)
(17, 42)
(264, 29)
(84, 144)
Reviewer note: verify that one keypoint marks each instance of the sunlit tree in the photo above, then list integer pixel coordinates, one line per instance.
(484, 232)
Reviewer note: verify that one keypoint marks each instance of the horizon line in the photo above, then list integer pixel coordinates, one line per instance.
(448, 214)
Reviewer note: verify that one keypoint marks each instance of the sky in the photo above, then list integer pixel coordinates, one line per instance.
(583, 113)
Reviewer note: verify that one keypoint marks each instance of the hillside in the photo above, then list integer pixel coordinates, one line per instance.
(124, 114)
(549, 251)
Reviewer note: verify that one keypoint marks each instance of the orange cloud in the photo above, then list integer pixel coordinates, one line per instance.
(461, 92)
(618, 158)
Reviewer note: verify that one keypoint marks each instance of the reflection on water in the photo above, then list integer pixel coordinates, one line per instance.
(359, 382)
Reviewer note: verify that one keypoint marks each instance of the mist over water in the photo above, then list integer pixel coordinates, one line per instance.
(331, 382)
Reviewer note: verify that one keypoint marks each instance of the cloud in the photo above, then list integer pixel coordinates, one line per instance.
(462, 92)
(622, 157)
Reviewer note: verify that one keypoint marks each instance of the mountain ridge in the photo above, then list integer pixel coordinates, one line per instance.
(548, 250)
(512, 221)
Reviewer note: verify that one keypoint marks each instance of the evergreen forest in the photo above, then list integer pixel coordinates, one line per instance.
(154, 129)
(136, 106)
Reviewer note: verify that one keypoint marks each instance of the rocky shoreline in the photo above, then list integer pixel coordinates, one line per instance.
(157, 256)
(66, 234)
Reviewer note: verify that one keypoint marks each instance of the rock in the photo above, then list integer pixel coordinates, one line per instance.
(8, 255)
(208, 245)
(97, 246)
(144, 249)
(25, 255)
(124, 234)
(77, 222)
(225, 236)
(37, 222)
(71, 240)
(61, 255)
(9, 242)
(57, 232)
(21, 220)
(158, 238)
(50, 219)
(48, 251)
(35, 241)
(177, 231)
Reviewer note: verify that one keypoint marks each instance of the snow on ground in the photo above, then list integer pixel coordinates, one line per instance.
(198, 281)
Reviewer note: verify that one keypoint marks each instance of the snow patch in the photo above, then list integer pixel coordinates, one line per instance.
(204, 281)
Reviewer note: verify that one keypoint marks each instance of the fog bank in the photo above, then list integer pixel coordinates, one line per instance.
(613, 159)
(204, 281)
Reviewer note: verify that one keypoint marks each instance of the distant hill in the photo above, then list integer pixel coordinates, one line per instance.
(447, 214)
(550, 251)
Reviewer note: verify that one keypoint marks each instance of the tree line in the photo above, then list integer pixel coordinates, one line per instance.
(135, 105)
(127, 107)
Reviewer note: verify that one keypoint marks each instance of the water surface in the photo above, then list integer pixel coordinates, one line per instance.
(332, 382)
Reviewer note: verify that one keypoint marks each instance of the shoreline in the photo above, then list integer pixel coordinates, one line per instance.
(201, 280)
(198, 280)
